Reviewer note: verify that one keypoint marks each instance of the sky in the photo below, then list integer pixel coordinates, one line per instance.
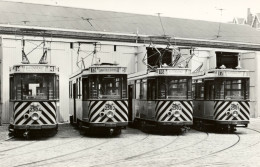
(210, 10)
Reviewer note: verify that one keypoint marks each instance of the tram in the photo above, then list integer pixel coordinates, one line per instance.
(221, 98)
(34, 96)
(161, 98)
(98, 98)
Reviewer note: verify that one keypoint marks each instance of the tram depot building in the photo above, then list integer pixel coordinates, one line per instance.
(73, 34)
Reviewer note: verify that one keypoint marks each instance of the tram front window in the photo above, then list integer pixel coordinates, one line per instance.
(34, 87)
(174, 88)
(234, 89)
(177, 89)
(231, 89)
(107, 87)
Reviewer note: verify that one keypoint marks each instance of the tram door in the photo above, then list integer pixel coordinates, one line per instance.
(74, 103)
(130, 102)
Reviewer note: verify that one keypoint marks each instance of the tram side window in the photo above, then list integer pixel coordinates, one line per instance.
(189, 88)
(17, 87)
(71, 89)
(57, 87)
(143, 89)
(199, 91)
(12, 88)
(51, 87)
(193, 91)
(85, 88)
(137, 89)
(219, 89)
(151, 89)
(209, 90)
(246, 88)
(93, 88)
(79, 88)
(161, 88)
(124, 87)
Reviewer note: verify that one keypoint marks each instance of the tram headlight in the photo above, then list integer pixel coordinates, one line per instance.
(235, 114)
(26, 116)
(227, 113)
(176, 113)
(35, 116)
(169, 113)
(101, 114)
(110, 114)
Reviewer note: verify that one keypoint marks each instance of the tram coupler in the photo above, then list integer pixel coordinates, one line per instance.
(26, 134)
(111, 131)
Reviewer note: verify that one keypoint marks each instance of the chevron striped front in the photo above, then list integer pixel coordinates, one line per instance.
(167, 112)
(108, 111)
(225, 112)
(46, 110)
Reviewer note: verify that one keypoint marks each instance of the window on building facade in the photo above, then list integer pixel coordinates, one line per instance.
(153, 56)
(229, 60)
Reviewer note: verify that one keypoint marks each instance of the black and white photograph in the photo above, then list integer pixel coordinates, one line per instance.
(129, 83)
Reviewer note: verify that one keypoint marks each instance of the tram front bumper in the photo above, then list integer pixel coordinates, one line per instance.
(36, 126)
(233, 122)
(175, 123)
(109, 124)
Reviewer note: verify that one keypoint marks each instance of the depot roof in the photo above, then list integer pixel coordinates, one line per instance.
(37, 15)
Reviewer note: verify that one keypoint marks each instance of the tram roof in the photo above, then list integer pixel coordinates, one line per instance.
(59, 17)
(101, 69)
(34, 68)
(173, 72)
(222, 73)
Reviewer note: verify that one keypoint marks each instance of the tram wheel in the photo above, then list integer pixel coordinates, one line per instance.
(117, 131)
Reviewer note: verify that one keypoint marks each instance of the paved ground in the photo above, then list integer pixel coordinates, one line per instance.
(3, 132)
(134, 148)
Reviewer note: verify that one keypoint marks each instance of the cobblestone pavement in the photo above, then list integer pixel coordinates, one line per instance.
(134, 148)
(4, 132)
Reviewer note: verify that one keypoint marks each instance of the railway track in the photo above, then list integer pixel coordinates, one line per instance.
(78, 157)
(251, 145)
(37, 150)
(148, 158)
(208, 155)
(63, 155)
(141, 156)
(165, 151)
(17, 147)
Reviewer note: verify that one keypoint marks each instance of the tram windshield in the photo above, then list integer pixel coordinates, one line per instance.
(221, 88)
(174, 88)
(232, 89)
(106, 87)
(34, 87)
